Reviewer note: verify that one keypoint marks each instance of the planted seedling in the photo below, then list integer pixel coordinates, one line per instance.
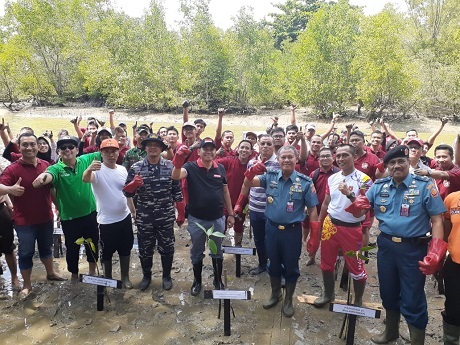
(210, 233)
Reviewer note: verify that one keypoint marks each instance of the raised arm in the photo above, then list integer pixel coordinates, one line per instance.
(387, 129)
(111, 123)
(435, 134)
(330, 128)
(220, 115)
(293, 119)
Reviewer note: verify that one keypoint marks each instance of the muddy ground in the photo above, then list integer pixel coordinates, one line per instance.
(62, 313)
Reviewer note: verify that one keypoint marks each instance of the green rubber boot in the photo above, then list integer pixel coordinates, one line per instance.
(328, 294)
(391, 331)
(276, 293)
(451, 334)
(288, 308)
(359, 286)
(417, 335)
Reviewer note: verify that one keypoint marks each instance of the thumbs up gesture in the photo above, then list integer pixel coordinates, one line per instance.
(95, 165)
(17, 189)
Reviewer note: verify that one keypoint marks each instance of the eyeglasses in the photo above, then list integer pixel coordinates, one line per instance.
(416, 148)
(325, 156)
(65, 147)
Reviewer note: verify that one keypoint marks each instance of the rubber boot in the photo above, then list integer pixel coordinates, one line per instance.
(107, 267)
(417, 335)
(238, 237)
(451, 334)
(391, 331)
(288, 308)
(196, 286)
(328, 294)
(276, 293)
(166, 263)
(217, 266)
(359, 286)
(124, 271)
(146, 264)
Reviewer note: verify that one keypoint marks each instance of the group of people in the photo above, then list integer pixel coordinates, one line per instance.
(298, 188)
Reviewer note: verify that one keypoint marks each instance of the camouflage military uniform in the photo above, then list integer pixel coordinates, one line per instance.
(132, 156)
(155, 212)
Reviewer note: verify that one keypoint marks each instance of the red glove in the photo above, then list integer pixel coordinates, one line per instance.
(133, 185)
(241, 204)
(313, 241)
(432, 262)
(257, 169)
(180, 156)
(381, 167)
(361, 203)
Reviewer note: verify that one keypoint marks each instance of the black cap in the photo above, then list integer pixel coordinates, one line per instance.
(67, 140)
(200, 121)
(207, 142)
(396, 152)
(155, 138)
(143, 128)
(389, 143)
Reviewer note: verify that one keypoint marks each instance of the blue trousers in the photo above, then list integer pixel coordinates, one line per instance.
(258, 221)
(27, 235)
(283, 249)
(402, 284)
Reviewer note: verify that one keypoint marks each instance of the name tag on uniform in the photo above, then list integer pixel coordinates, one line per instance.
(404, 210)
(290, 207)
(217, 176)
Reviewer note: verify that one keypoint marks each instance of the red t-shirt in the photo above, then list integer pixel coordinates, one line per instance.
(227, 152)
(34, 206)
(380, 153)
(321, 184)
(235, 175)
(310, 165)
(367, 164)
(446, 187)
(121, 154)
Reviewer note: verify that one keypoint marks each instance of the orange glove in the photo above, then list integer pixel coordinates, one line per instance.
(361, 203)
(313, 241)
(133, 185)
(433, 261)
(180, 156)
(240, 204)
(257, 169)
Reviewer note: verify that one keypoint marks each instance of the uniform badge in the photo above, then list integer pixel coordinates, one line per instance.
(383, 200)
(385, 185)
(446, 183)
(313, 189)
(411, 201)
(270, 199)
(434, 192)
(383, 209)
(364, 165)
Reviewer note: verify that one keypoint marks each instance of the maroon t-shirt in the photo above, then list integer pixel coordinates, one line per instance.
(321, 184)
(34, 206)
(235, 175)
(446, 187)
(367, 164)
(310, 165)
(227, 152)
(380, 153)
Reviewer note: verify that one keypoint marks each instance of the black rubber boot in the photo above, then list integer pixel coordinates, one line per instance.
(217, 266)
(196, 286)
(417, 335)
(124, 271)
(146, 264)
(288, 308)
(275, 297)
(391, 331)
(107, 267)
(451, 334)
(359, 286)
(328, 294)
(166, 263)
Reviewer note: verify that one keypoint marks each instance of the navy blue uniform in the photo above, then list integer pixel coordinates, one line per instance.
(285, 211)
(404, 213)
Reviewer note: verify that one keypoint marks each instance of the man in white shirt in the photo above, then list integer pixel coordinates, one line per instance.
(113, 214)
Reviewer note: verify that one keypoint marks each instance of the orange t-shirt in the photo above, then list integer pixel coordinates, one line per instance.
(452, 202)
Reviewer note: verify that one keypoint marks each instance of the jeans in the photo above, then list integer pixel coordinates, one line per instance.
(199, 237)
(27, 235)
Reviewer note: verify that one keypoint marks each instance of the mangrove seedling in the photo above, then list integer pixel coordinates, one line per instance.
(89, 243)
(210, 233)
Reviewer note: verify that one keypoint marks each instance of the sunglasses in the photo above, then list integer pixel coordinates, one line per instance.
(65, 147)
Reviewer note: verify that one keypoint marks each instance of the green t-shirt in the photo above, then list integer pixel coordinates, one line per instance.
(74, 197)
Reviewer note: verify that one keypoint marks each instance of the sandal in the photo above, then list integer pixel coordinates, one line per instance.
(56, 277)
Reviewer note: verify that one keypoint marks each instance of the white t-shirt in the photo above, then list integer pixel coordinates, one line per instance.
(340, 202)
(107, 187)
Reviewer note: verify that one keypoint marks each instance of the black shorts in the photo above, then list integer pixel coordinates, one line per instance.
(6, 231)
(116, 237)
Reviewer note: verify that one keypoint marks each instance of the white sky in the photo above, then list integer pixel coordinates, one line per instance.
(223, 10)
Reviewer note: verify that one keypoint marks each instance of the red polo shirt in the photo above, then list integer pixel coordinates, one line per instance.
(321, 183)
(367, 164)
(446, 187)
(34, 206)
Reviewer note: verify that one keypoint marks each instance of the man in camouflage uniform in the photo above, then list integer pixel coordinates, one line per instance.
(137, 153)
(150, 180)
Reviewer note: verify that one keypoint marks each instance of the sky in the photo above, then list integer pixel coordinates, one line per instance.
(223, 11)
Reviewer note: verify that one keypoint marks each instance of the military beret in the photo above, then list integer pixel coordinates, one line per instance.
(396, 152)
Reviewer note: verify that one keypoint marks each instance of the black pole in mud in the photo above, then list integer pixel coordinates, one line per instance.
(227, 330)
(100, 297)
(238, 265)
(238, 251)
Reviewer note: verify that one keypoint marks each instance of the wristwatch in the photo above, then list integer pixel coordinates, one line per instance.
(351, 195)
(428, 172)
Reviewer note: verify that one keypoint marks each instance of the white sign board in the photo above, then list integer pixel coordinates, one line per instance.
(354, 310)
(231, 294)
(238, 250)
(99, 281)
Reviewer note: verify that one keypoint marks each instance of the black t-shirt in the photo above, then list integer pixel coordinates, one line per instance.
(205, 190)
